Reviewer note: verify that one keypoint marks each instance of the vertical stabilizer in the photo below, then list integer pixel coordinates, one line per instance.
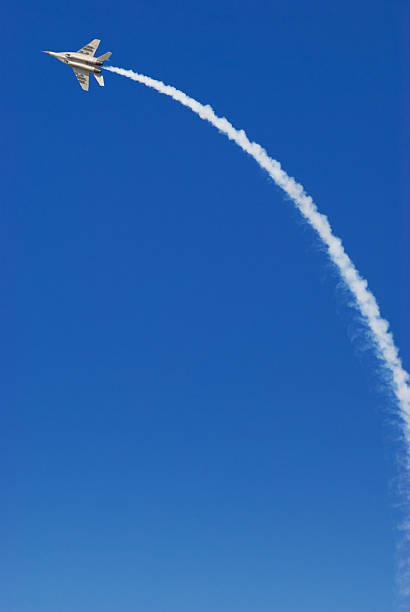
(105, 57)
(100, 79)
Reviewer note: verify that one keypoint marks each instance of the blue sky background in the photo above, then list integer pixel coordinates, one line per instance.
(191, 418)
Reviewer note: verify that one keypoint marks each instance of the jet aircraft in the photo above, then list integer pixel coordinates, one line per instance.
(83, 62)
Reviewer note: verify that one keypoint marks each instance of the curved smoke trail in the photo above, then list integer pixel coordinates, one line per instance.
(383, 340)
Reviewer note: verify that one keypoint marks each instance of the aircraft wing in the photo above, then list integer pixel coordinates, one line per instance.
(91, 48)
(83, 78)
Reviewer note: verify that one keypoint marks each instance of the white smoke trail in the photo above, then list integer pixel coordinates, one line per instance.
(365, 300)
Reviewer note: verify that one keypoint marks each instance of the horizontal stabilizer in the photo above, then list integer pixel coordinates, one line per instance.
(104, 57)
(100, 79)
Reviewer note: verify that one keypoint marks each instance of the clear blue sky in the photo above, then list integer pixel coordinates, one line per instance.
(191, 418)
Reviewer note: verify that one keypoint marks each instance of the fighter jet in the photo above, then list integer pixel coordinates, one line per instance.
(83, 62)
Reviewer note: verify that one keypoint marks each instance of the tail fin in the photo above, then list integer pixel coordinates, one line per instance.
(100, 79)
(104, 57)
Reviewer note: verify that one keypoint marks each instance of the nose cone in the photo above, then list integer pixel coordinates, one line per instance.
(48, 52)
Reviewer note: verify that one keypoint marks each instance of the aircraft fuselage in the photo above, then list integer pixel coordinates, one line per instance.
(78, 60)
